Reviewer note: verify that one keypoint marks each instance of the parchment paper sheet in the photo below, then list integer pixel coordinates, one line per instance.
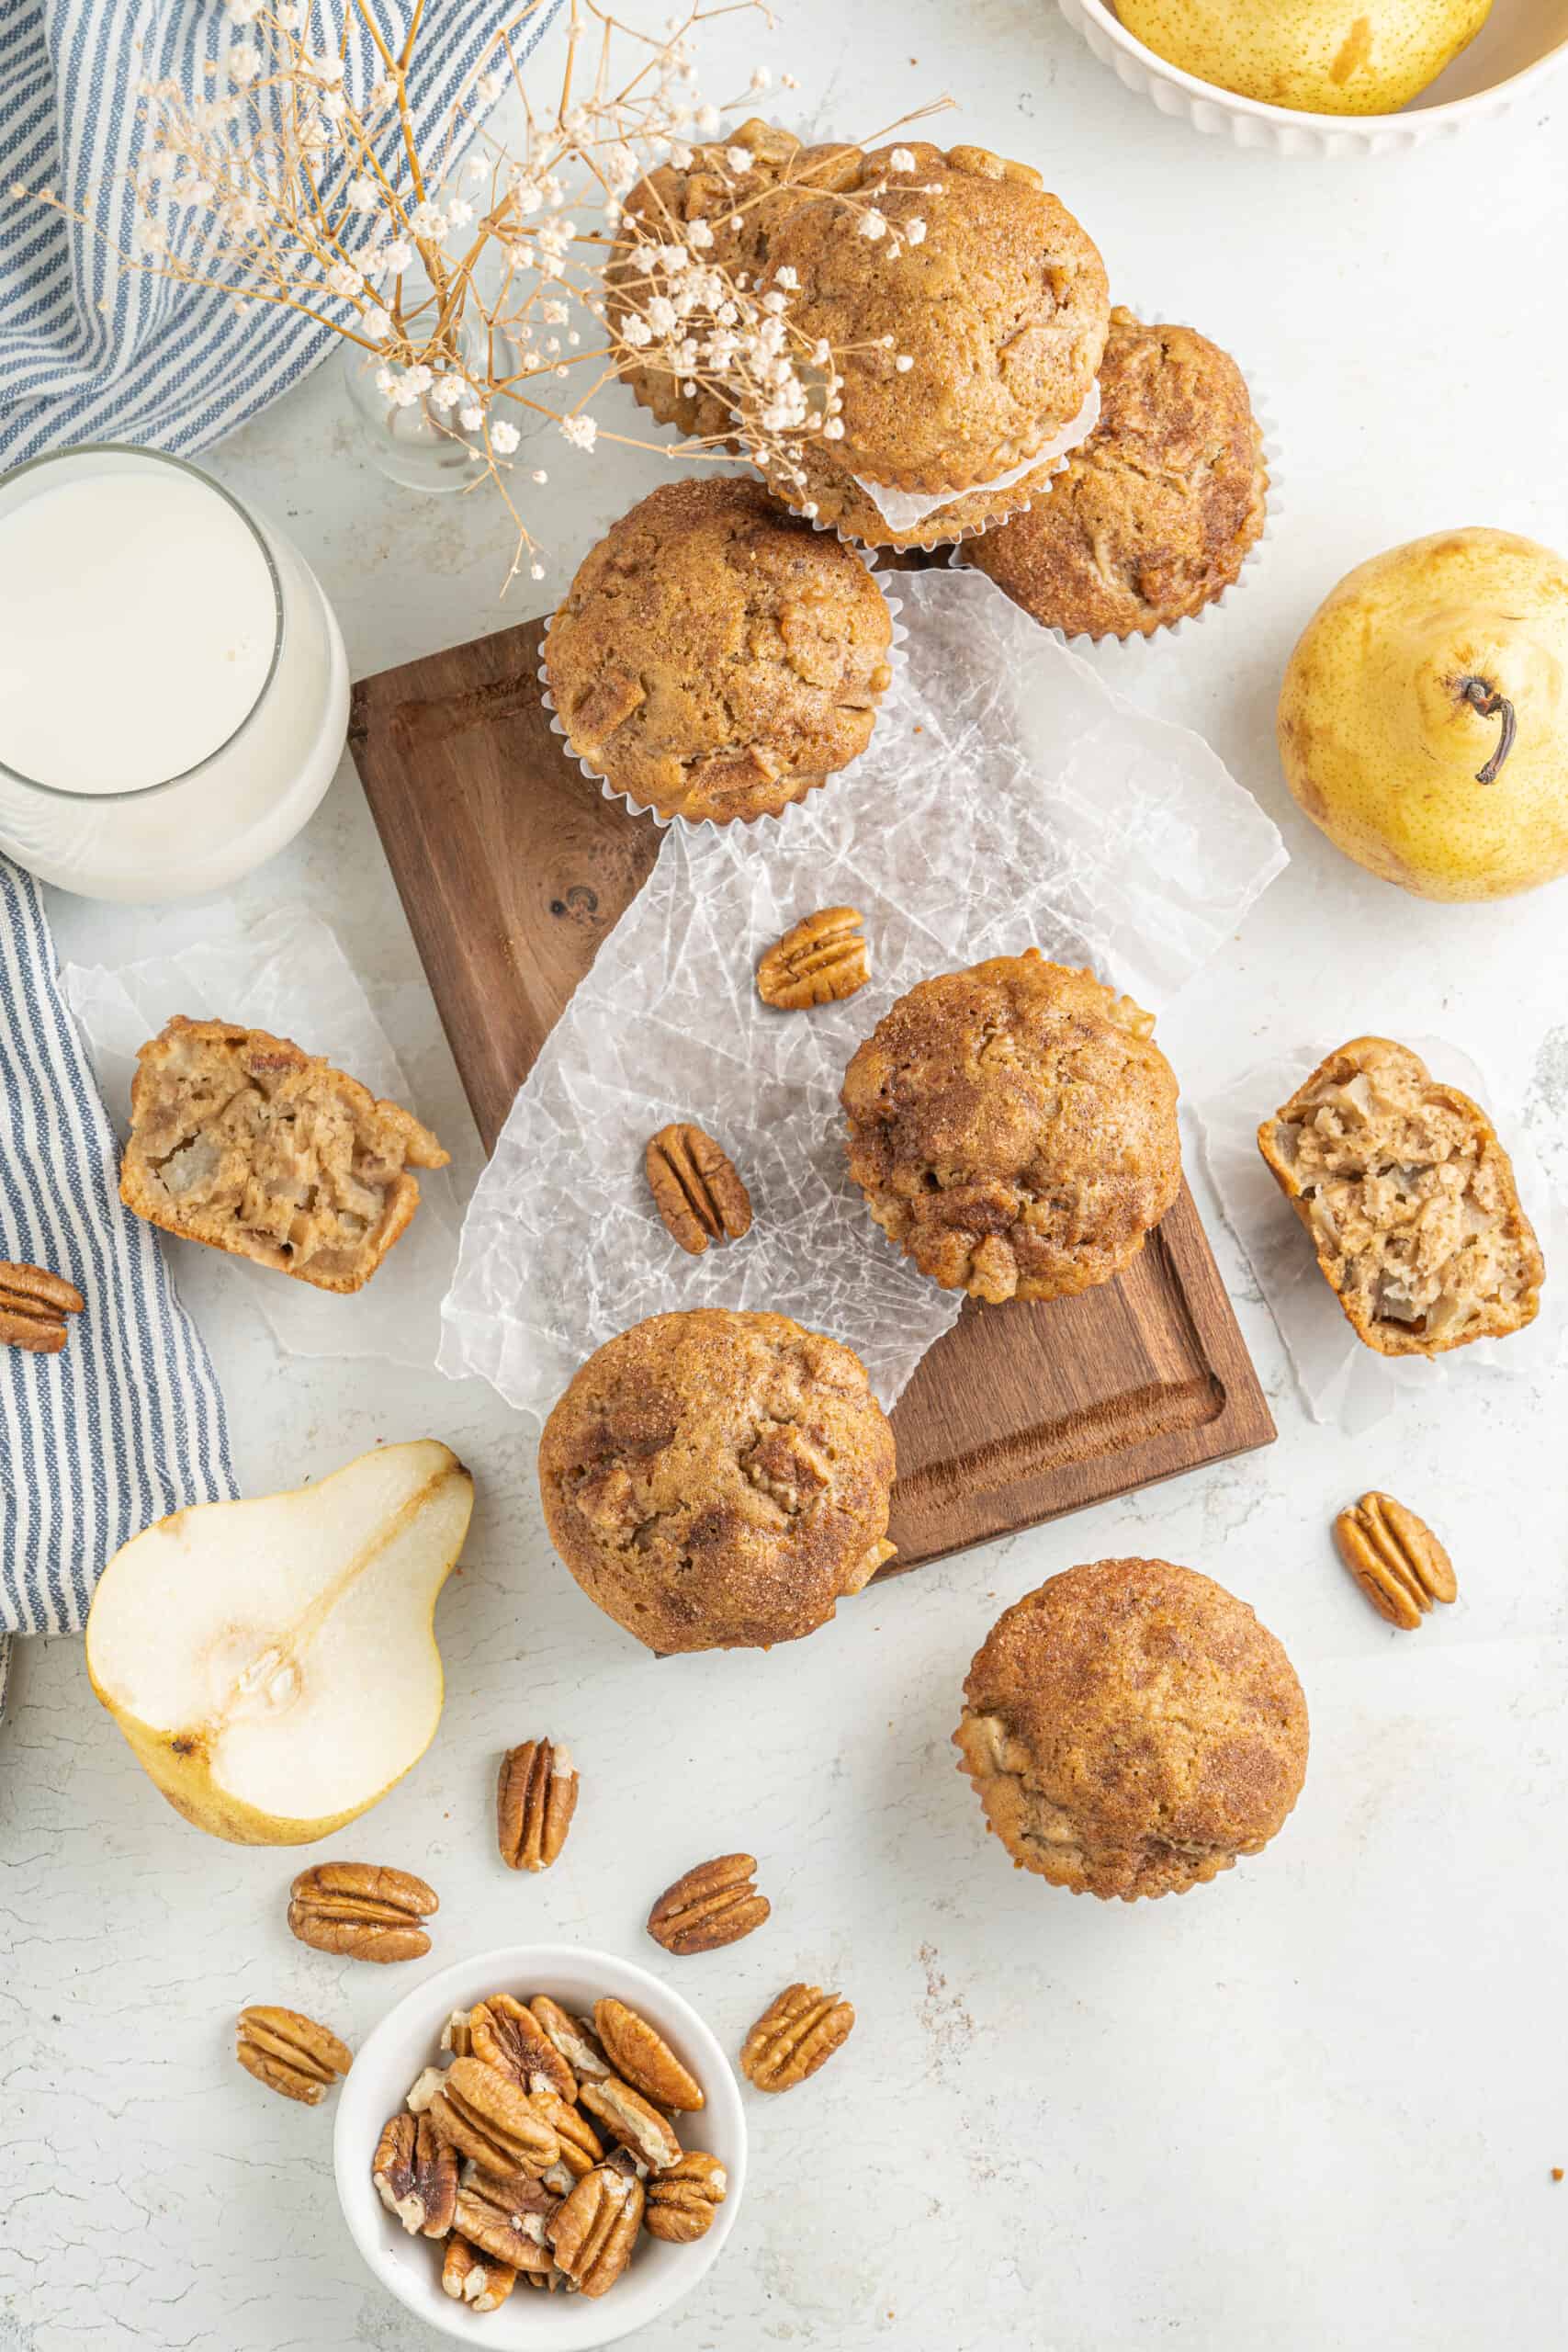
(1011, 800)
(288, 973)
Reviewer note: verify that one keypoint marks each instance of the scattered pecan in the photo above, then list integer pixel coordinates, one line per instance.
(475, 2279)
(415, 2174)
(362, 1912)
(593, 2232)
(822, 959)
(643, 2058)
(289, 2053)
(796, 2035)
(580, 2146)
(573, 2037)
(682, 2202)
(507, 2036)
(628, 2118)
(505, 2219)
(34, 1305)
(535, 1797)
(715, 1904)
(695, 1189)
(1395, 1558)
(487, 2117)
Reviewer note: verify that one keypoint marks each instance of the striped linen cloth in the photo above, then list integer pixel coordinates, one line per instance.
(91, 351)
(128, 1423)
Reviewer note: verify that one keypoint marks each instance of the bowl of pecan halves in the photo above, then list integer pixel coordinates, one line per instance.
(542, 2146)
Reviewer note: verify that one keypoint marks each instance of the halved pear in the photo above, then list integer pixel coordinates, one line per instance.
(273, 1663)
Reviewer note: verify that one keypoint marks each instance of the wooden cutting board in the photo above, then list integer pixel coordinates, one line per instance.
(513, 868)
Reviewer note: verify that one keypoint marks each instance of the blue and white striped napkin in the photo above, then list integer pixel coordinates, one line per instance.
(128, 1423)
(90, 351)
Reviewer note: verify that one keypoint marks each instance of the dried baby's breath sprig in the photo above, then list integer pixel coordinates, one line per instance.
(472, 274)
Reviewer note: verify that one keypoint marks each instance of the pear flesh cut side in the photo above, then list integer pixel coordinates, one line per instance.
(273, 1663)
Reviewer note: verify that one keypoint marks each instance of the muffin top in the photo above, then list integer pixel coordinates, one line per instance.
(1132, 1728)
(978, 278)
(1013, 1128)
(1156, 512)
(716, 1480)
(716, 656)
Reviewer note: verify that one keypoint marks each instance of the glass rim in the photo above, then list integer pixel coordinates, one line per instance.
(178, 465)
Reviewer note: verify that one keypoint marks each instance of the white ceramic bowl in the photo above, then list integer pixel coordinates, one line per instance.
(658, 2276)
(1521, 42)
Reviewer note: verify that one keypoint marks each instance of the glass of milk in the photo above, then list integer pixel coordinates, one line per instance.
(173, 692)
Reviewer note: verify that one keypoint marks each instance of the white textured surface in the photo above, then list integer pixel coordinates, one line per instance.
(1312, 2106)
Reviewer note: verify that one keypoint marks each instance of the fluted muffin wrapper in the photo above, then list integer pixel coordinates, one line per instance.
(762, 829)
(905, 511)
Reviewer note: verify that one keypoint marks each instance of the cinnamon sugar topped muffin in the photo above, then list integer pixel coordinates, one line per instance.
(1156, 512)
(1013, 1128)
(716, 1480)
(1131, 1729)
(979, 279)
(715, 657)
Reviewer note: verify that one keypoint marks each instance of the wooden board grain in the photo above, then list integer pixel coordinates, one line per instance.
(513, 868)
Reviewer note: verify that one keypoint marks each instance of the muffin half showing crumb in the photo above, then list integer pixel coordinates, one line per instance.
(1409, 1200)
(1131, 1730)
(718, 1480)
(1157, 510)
(1013, 1128)
(716, 658)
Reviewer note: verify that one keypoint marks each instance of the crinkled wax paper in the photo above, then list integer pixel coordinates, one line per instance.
(286, 974)
(1010, 800)
(1342, 1382)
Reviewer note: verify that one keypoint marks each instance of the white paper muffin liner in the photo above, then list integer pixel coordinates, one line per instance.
(905, 511)
(764, 828)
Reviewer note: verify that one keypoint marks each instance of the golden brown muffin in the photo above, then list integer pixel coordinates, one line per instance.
(982, 280)
(1156, 512)
(718, 1480)
(1410, 1201)
(242, 1140)
(1013, 1128)
(1131, 1729)
(715, 657)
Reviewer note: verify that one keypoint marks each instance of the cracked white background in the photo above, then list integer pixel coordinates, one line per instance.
(1314, 2105)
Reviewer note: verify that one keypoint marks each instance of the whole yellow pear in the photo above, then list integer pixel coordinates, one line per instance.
(1424, 717)
(1316, 56)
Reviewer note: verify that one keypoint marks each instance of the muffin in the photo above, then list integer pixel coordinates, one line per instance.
(718, 1480)
(980, 281)
(1131, 1729)
(1410, 1201)
(1156, 512)
(715, 657)
(815, 485)
(1013, 1128)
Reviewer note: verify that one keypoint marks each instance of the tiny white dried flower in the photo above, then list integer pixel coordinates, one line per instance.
(538, 474)
(459, 212)
(470, 419)
(786, 278)
(334, 106)
(915, 232)
(760, 78)
(504, 437)
(396, 256)
(699, 235)
(449, 389)
(536, 571)
(427, 219)
(476, 167)
(903, 363)
(362, 195)
(377, 322)
(343, 279)
(383, 93)
(873, 224)
(834, 430)
(901, 160)
(788, 82)
(386, 382)
(245, 63)
(490, 87)
(707, 118)
(581, 431)
(739, 159)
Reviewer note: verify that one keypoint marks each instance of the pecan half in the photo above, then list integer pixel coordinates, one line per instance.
(289, 2053)
(504, 2218)
(491, 2120)
(715, 1904)
(34, 1305)
(821, 960)
(627, 2117)
(415, 2174)
(593, 2232)
(454, 2034)
(362, 1912)
(580, 2146)
(550, 2281)
(793, 2037)
(573, 2037)
(682, 2202)
(507, 2036)
(475, 2279)
(535, 1796)
(1395, 1558)
(695, 1189)
(642, 2057)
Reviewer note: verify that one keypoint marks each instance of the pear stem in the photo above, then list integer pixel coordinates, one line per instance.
(1483, 697)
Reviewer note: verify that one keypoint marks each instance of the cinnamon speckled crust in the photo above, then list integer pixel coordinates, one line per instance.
(1410, 1201)
(1001, 305)
(827, 486)
(1131, 1729)
(716, 1480)
(1156, 512)
(1013, 1128)
(715, 657)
